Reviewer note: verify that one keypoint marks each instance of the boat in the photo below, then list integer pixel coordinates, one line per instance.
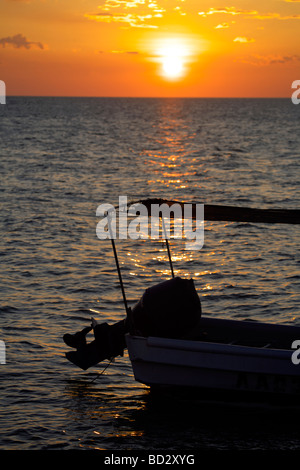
(172, 346)
(228, 356)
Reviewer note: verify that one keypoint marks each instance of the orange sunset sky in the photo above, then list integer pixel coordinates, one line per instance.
(192, 48)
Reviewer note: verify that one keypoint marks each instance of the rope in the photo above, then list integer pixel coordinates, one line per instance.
(102, 372)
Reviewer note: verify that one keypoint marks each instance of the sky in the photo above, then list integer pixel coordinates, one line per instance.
(150, 48)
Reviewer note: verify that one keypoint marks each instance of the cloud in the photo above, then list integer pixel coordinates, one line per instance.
(243, 40)
(129, 4)
(276, 16)
(125, 52)
(222, 26)
(250, 13)
(179, 10)
(260, 60)
(123, 3)
(226, 10)
(134, 13)
(135, 21)
(18, 41)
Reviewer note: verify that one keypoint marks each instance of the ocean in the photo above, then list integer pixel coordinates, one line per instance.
(63, 157)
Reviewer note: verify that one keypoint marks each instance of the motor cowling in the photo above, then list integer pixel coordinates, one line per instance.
(169, 309)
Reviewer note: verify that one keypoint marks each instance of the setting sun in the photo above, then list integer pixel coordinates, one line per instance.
(173, 56)
(172, 66)
(149, 48)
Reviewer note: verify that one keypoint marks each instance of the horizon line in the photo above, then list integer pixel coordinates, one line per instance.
(150, 97)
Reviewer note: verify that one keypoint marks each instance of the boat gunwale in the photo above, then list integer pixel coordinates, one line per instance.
(210, 347)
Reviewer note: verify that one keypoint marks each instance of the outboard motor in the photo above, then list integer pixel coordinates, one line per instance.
(169, 309)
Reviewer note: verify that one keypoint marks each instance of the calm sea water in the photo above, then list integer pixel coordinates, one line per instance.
(60, 159)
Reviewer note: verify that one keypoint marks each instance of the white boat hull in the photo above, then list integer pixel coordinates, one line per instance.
(213, 366)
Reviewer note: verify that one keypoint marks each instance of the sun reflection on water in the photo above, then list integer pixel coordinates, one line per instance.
(173, 138)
